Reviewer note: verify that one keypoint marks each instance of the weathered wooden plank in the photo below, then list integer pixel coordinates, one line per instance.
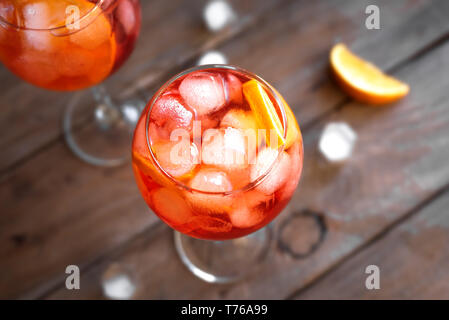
(172, 32)
(70, 216)
(389, 174)
(290, 47)
(140, 264)
(413, 260)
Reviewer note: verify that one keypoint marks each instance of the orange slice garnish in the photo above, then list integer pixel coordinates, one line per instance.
(266, 114)
(362, 80)
(293, 131)
(147, 167)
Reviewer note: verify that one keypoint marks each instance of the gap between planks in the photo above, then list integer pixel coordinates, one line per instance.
(384, 232)
(443, 191)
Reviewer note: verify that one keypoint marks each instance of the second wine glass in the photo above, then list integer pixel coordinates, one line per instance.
(70, 45)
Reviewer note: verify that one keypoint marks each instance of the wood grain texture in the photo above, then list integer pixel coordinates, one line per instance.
(290, 47)
(389, 174)
(172, 33)
(413, 259)
(65, 224)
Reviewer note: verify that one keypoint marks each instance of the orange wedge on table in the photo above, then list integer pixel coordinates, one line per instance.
(266, 114)
(364, 81)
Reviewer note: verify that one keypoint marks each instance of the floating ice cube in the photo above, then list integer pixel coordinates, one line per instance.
(37, 67)
(218, 14)
(225, 148)
(78, 63)
(279, 173)
(126, 16)
(337, 141)
(169, 113)
(234, 148)
(155, 133)
(212, 57)
(244, 120)
(206, 123)
(97, 33)
(210, 223)
(35, 15)
(246, 212)
(117, 283)
(177, 158)
(210, 180)
(171, 205)
(239, 119)
(234, 86)
(203, 91)
(244, 217)
(295, 170)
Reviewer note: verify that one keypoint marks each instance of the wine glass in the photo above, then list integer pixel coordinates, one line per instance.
(69, 45)
(217, 155)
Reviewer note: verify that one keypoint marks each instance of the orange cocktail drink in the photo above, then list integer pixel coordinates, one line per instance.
(217, 153)
(67, 44)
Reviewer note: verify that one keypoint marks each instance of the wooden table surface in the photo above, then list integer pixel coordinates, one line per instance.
(388, 205)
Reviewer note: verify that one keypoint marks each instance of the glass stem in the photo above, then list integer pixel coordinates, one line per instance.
(107, 113)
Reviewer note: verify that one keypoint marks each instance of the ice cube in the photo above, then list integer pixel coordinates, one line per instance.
(144, 182)
(279, 173)
(247, 211)
(139, 140)
(36, 16)
(95, 34)
(177, 158)
(210, 223)
(218, 14)
(296, 167)
(208, 123)
(203, 91)
(212, 57)
(245, 120)
(78, 63)
(169, 113)
(126, 16)
(337, 141)
(244, 217)
(117, 283)
(225, 148)
(234, 87)
(156, 134)
(141, 154)
(35, 68)
(210, 180)
(170, 205)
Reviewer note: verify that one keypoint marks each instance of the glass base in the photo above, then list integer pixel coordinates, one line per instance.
(98, 131)
(224, 261)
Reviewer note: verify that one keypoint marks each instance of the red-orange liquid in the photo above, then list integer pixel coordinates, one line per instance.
(58, 58)
(198, 214)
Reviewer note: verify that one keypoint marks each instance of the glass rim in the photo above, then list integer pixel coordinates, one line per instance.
(266, 86)
(64, 26)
